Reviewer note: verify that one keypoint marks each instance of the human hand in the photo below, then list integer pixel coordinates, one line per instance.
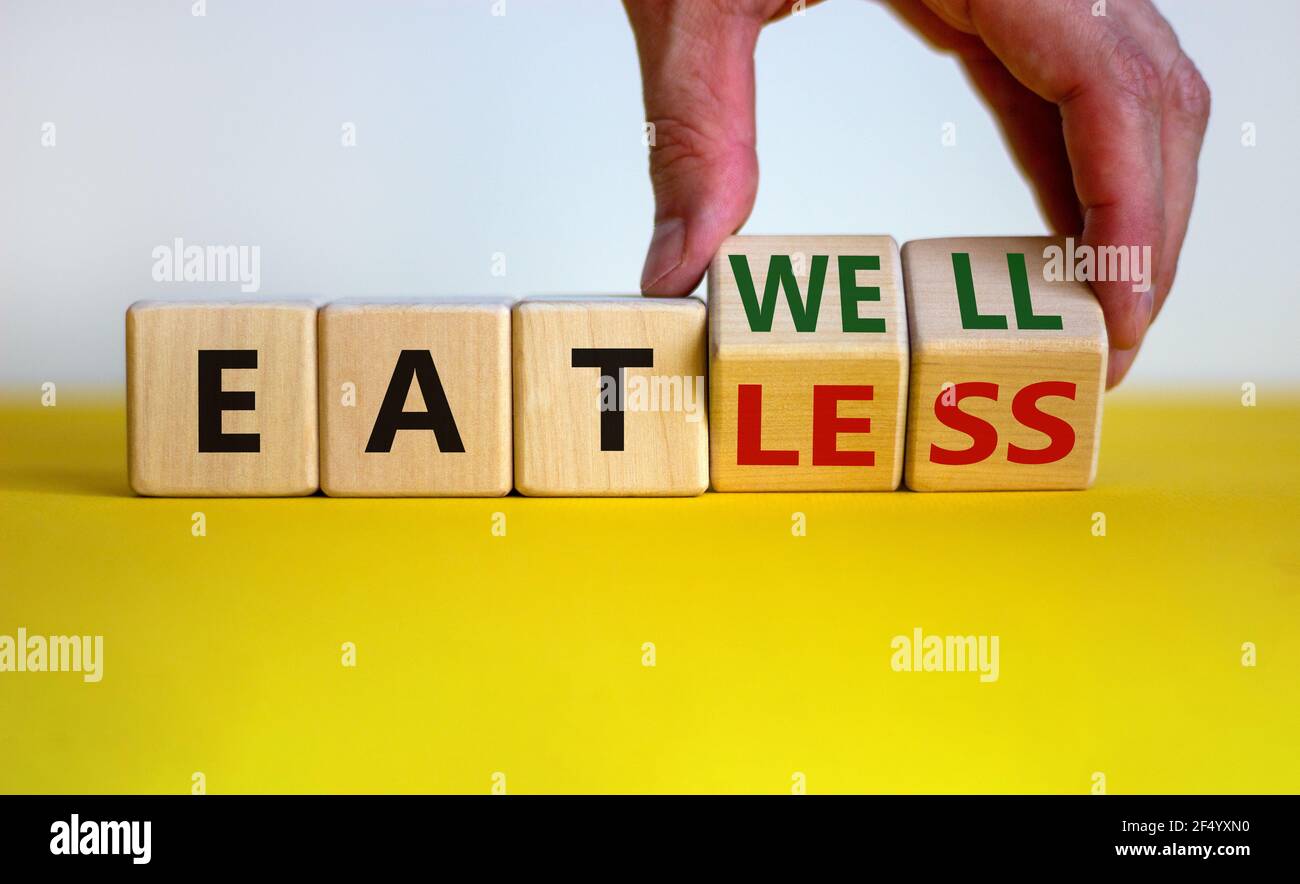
(1104, 113)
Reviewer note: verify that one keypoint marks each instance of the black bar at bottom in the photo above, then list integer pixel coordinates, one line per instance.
(217, 832)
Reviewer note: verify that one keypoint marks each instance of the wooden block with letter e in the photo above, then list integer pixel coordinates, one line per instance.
(415, 398)
(610, 397)
(221, 399)
(808, 362)
(1008, 367)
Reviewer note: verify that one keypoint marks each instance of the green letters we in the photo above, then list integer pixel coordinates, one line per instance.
(781, 276)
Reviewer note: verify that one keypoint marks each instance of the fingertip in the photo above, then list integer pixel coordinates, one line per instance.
(1118, 365)
(1124, 243)
(1127, 313)
(690, 231)
(664, 257)
(678, 284)
(673, 266)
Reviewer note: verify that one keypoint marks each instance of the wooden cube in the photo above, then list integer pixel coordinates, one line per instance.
(415, 398)
(1008, 367)
(610, 397)
(808, 362)
(221, 399)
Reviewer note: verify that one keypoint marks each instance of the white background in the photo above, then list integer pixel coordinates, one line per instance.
(521, 134)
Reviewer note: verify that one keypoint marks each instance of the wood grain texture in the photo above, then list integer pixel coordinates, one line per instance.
(163, 341)
(558, 417)
(945, 352)
(790, 364)
(468, 343)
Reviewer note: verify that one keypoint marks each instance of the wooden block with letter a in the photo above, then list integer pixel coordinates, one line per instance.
(1008, 367)
(415, 398)
(610, 397)
(808, 364)
(221, 399)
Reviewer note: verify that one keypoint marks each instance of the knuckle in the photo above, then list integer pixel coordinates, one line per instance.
(1135, 74)
(689, 163)
(1188, 91)
(679, 146)
(694, 141)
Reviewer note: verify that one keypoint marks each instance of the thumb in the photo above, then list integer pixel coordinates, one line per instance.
(697, 73)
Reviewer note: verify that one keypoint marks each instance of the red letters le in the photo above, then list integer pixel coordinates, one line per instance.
(749, 431)
(827, 425)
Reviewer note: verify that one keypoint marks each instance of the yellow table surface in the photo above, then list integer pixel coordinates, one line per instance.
(522, 654)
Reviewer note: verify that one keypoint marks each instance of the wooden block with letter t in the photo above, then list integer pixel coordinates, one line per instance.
(415, 398)
(808, 364)
(221, 399)
(1008, 367)
(610, 397)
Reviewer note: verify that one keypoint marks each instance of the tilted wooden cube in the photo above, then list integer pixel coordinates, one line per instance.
(415, 398)
(1008, 368)
(610, 397)
(808, 364)
(221, 399)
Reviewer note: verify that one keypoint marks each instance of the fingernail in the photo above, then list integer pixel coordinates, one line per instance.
(1145, 308)
(665, 253)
